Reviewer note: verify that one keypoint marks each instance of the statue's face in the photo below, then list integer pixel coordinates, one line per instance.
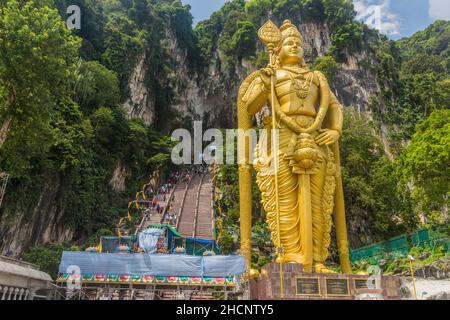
(291, 51)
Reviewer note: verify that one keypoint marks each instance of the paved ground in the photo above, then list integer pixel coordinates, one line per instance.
(427, 288)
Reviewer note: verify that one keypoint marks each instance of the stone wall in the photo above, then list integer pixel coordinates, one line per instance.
(23, 281)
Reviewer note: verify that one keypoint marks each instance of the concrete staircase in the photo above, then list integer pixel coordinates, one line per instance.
(204, 221)
(188, 210)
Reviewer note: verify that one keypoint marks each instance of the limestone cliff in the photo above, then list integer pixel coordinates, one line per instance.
(140, 104)
(43, 223)
(210, 92)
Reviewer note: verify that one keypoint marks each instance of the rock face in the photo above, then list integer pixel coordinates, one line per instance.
(43, 224)
(117, 181)
(141, 103)
(190, 94)
(439, 270)
(210, 93)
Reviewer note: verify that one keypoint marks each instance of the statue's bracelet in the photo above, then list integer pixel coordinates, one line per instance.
(338, 130)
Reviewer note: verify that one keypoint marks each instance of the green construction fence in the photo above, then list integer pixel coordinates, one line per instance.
(402, 244)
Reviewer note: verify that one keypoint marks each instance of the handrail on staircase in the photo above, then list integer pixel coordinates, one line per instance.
(168, 200)
(197, 201)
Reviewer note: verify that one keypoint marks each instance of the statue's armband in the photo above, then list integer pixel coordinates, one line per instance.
(334, 117)
(321, 79)
(255, 96)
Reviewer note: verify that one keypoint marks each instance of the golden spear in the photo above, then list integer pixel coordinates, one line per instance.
(271, 36)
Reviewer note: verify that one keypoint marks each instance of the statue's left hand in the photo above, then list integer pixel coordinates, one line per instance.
(327, 137)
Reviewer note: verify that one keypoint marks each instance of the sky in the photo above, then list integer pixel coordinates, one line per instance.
(395, 18)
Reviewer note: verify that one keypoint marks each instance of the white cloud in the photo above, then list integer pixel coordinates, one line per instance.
(439, 9)
(377, 14)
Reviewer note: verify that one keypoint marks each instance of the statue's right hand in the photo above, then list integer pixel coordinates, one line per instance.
(266, 74)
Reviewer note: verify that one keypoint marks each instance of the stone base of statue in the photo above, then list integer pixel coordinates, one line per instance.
(318, 286)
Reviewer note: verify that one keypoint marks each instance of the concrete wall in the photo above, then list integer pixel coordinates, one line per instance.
(23, 281)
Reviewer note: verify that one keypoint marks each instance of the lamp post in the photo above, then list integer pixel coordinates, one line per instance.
(411, 259)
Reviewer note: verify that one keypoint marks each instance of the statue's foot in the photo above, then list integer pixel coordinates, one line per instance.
(320, 268)
(253, 274)
(362, 273)
(307, 268)
(290, 258)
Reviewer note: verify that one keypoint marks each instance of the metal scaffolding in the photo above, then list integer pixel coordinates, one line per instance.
(132, 291)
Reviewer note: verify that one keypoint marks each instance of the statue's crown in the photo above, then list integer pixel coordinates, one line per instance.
(290, 30)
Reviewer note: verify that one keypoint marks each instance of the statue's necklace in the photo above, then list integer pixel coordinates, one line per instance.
(302, 88)
(301, 85)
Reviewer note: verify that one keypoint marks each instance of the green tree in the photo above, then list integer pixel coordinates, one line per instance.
(47, 257)
(425, 164)
(69, 133)
(96, 86)
(92, 31)
(244, 39)
(442, 90)
(370, 187)
(328, 65)
(180, 20)
(37, 57)
(123, 43)
(424, 74)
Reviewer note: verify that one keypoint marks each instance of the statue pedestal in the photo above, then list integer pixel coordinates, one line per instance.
(318, 286)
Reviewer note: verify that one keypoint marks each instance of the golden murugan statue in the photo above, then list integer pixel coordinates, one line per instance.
(304, 192)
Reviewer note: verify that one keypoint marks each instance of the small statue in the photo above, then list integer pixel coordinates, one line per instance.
(209, 253)
(305, 189)
(179, 250)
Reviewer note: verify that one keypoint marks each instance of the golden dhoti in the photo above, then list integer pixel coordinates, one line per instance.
(322, 186)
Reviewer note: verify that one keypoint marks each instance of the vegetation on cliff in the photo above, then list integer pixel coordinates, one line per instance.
(67, 120)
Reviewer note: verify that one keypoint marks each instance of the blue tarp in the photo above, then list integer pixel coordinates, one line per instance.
(223, 265)
(152, 264)
(205, 241)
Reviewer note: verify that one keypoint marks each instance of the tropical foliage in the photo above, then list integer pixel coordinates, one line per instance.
(66, 122)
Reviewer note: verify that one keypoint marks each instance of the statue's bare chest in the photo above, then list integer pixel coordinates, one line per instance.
(296, 92)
